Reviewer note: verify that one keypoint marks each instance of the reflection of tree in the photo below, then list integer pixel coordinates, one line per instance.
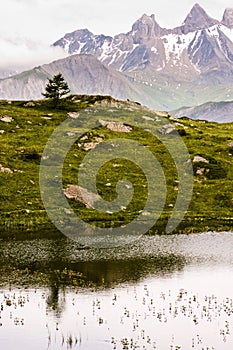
(54, 300)
(56, 254)
(56, 264)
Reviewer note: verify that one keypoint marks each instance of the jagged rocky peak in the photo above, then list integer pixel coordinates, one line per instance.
(197, 19)
(145, 28)
(80, 33)
(227, 19)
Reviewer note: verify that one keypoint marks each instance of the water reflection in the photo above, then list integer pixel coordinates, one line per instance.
(57, 263)
(171, 292)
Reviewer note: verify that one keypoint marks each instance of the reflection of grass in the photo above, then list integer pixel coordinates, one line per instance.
(23, 141)
(85, 274)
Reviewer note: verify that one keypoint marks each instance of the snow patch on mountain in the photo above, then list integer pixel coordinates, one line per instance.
(175, 45)
(227, 31)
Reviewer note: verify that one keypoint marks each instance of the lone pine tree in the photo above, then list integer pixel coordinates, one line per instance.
(56, 88)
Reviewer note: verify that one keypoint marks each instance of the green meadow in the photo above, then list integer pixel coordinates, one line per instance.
(23, 137)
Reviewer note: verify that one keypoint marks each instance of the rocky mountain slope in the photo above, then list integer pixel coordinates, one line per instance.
(162, 68)
(212, 111)
(84, 74)
(201, 48)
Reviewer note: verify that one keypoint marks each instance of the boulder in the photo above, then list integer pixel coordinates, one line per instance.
(82, 195)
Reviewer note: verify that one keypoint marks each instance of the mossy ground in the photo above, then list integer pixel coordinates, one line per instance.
(23, 140)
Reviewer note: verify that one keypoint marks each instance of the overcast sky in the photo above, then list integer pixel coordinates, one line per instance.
(28, 27)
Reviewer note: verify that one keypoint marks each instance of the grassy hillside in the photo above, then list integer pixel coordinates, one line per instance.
(23, 138)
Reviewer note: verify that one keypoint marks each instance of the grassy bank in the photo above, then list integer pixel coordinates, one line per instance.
(25, 133)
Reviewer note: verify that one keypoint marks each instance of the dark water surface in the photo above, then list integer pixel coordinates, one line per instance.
(162, 292)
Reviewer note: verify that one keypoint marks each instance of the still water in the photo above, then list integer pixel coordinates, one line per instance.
(162, 292)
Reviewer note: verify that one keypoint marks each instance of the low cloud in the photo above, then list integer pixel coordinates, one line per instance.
(17, 55)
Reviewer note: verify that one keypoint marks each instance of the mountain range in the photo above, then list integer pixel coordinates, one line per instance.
(162, 68)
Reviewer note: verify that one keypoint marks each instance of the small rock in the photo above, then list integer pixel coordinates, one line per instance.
(29, 104)
(68, 211)
(5, 170)
(6, 119)
(73, 115)
(230, 144)
(147, 118)
(69, 133)
(167, 129)
(116, 126)
(200, 171)
(46, 118)
(197, 159)
(146, 213)
(91, 145)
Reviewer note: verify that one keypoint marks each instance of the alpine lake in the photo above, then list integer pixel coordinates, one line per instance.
(163, 292)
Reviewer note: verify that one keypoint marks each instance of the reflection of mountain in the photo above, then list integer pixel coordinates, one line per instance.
(58, 264)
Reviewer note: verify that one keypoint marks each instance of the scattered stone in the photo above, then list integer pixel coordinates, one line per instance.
(167, 129)
(5, 170)
(116, 126)
(6, 119)
(84, 138)
(82, 195)
(147, 118)
(197, 159)
(128, 186)
(73, 115)
(146, 213)
(2, 131)
(46, 118)
(70, 133)
(29, 104)
(68, 211)
(90, 145)
(230, 144)
(200, 171)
